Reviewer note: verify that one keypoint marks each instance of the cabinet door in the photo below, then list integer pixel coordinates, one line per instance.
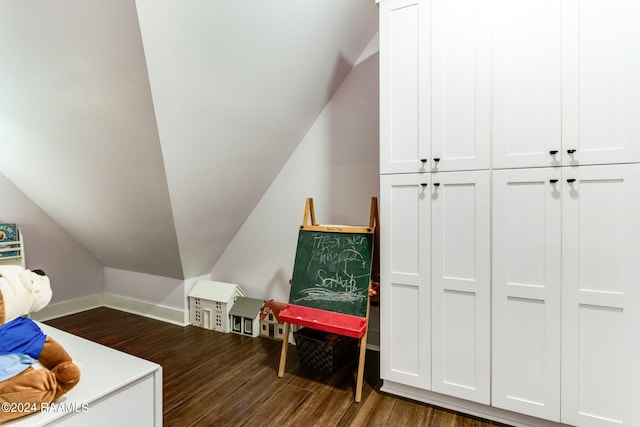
(404, 86)
(601, 295)
(461, 85)
(601, 94)
(526, 85)
(405, 328)
(460, 251)
(526, 291)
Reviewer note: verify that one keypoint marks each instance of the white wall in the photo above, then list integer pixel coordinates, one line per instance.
(336, 164)
(158, 297)
(73, 271)
(157, 290)
(78, 129)
(236, 86)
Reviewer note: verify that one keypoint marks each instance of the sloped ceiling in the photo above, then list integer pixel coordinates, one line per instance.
(149, 130)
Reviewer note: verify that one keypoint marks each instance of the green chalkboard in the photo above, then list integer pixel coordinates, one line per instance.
(332, 271)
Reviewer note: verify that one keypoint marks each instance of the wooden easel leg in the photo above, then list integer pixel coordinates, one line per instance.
(360, 380)
(283, 352)
(373, 213)
(309, 212)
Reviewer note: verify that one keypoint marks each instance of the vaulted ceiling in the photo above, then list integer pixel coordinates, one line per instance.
(150, 129)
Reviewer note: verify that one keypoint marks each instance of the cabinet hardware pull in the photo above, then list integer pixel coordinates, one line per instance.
(553, 181)
(436, 184)
(436, 159)
(553, 152)
(571, 151)
(570, 180)
(423, 160)
(424, 184)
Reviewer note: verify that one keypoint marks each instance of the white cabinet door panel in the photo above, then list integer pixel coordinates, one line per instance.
(461, 85)
(460, 284)
(601, 299)
(526, 83)
(405, 327)
(404, 86)
(601, 94)
(527, 291)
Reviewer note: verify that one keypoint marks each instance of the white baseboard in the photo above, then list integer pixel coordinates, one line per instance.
(117, 302)
(146, 309)
(65, 308)
(373, 340)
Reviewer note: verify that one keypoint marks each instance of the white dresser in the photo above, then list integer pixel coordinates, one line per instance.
(115, 389)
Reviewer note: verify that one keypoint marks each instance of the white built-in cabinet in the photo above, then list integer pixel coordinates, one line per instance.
(436, 114)
(565, 305)
(460, 286)
(578, 56)
(406, 309)
(436, 271)
(510, 207)
(526, 287)
(404, 83)
(600, 350)
(526, 119)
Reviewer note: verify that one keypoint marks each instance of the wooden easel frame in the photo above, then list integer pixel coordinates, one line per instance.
(309, 223)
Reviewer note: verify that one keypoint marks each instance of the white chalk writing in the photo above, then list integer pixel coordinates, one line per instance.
(337, 266)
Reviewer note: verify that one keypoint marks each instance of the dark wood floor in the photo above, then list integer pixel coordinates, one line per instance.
(215, 379)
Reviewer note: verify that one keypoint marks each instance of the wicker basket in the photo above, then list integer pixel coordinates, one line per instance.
(324, 351)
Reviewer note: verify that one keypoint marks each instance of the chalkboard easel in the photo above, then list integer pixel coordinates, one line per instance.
(331, 283)
(332, 270)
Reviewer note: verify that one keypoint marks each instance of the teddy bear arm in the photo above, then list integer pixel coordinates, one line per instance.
(53, 354)
(55, 358)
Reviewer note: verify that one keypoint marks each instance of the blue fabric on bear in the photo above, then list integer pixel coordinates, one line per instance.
(12, 364)
(21, 336)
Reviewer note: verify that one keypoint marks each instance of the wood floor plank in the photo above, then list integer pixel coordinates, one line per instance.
(234, 408)
(280, 408)
(216, 379)
(325, 407)
(373, 411)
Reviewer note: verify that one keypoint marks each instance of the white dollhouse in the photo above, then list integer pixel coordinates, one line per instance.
(270, 325)
(210, 302)
(245, 316)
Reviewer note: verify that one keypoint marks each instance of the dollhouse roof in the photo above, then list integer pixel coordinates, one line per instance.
(247, 307)
(216, 291)
(275, 307)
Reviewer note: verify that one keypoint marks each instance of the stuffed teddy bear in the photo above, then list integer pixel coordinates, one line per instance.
(25, 384)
